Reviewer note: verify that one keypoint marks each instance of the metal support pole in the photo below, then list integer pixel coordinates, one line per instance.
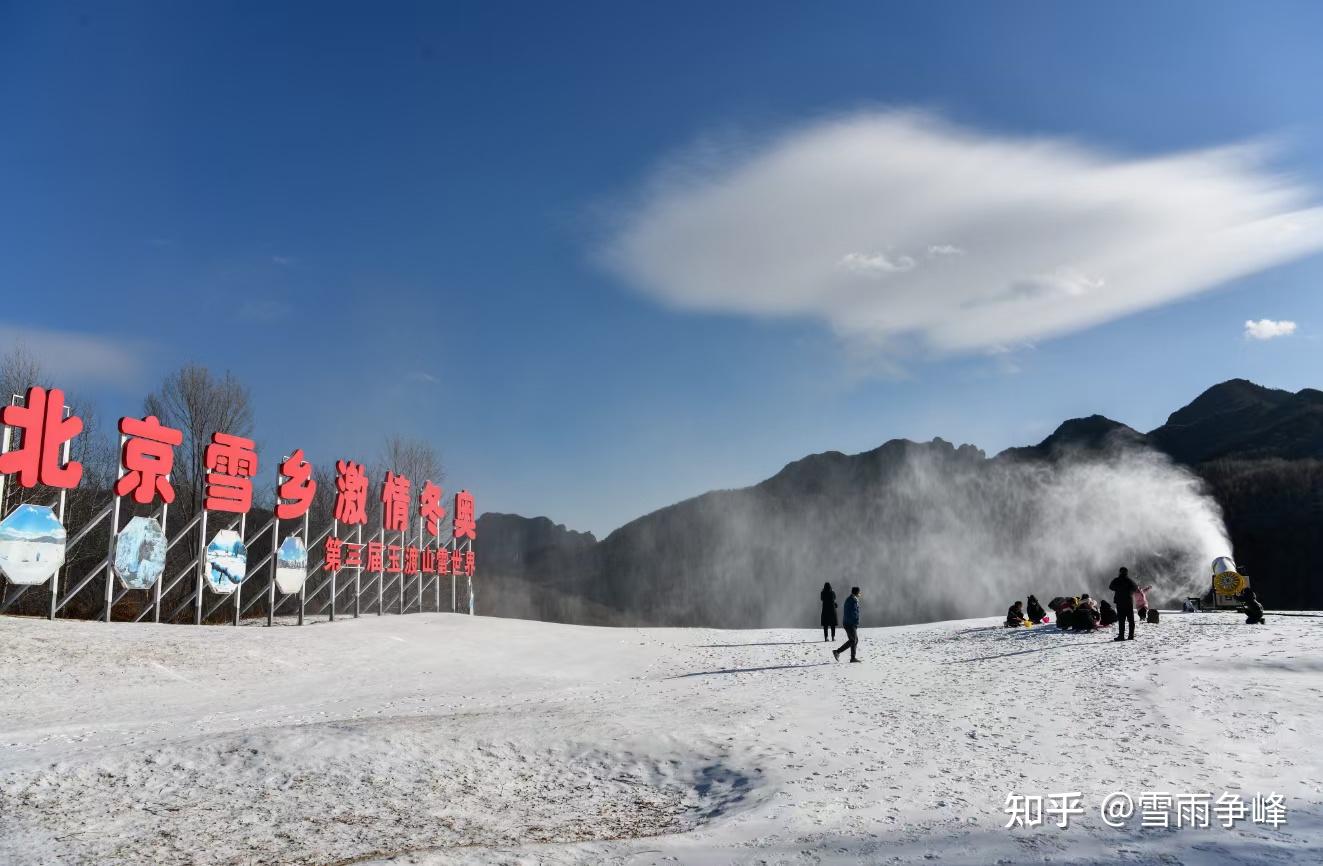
(4, 449)
(381, 578)
(202, 568)
(156, 588)
(271, 587)
(358, 572)
(238, 590)
(114, 531)
(454, 588)
(303, 590)
(335, 532)
(55, 578)
(402, 575)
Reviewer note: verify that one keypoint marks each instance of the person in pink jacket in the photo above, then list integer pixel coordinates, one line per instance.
(1141, 601)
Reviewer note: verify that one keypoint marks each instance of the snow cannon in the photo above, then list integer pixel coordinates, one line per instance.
(1228, 583)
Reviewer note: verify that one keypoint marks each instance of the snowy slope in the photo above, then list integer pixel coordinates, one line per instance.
(443, 738)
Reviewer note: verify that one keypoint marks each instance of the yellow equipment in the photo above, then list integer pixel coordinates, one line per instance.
(1228, 583)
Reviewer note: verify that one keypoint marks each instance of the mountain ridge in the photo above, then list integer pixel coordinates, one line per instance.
(1259, 452)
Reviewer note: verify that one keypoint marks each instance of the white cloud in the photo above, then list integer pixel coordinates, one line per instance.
(73, 358)
(1268, 329)
(1020, 239)
(876, 263)
(936, 250)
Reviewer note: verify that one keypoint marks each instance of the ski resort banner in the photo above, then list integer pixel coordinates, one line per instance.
(206, 568)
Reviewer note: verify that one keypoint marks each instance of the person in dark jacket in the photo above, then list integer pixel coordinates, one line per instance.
(1036, 612)
(1015, 615)
(1087, 614)
(1107, 614)
(1064, 608)
(1123, 594)
(1253, 608)
(828, 596)
(851, 625)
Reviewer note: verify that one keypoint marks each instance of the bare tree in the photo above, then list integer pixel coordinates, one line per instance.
(198, 403)
(415, 459)
(19, 370)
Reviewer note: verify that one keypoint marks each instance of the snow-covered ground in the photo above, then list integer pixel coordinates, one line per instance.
(443, 738)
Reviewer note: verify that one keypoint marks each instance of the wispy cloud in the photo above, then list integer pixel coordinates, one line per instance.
(876, 263)
(936, 250)
(904, 231)
(1268, 329)
(69, 357)
(422, 376)
(284, 261)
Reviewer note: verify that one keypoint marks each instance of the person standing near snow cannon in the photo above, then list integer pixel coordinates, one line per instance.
(851, 624)
(828, 597)
(1035, 610)
(1123, 596)
(1253, 608)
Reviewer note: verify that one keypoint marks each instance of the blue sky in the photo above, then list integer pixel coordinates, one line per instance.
(410, 217)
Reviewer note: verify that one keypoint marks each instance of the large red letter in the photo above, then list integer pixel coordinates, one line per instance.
(148, 459)
(297, 487)
(233, 463)
(45, 430)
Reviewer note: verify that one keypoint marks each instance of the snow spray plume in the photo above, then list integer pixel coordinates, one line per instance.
(929, 531)
(975, 541)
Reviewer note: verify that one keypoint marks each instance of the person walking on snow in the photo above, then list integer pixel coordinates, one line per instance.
(1141, 601)
(828, 596)
(1123, 595)
(851, 624)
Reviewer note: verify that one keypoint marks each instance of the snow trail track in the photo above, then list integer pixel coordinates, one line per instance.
(447, 739)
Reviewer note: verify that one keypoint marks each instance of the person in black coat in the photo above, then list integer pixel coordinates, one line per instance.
(1107, 612)
(1015, 615)
(828, 596)
(1123, 594)
(1253, 608)
(1087, 614)
(1036, 612)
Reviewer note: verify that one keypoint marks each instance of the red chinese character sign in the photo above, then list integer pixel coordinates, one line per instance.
(430, 508)
(351, 490)
(231, 463)
(395, 503)
(40, 453)
(465, 525)
(148, 459)
(45, 431)
(297, 487)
